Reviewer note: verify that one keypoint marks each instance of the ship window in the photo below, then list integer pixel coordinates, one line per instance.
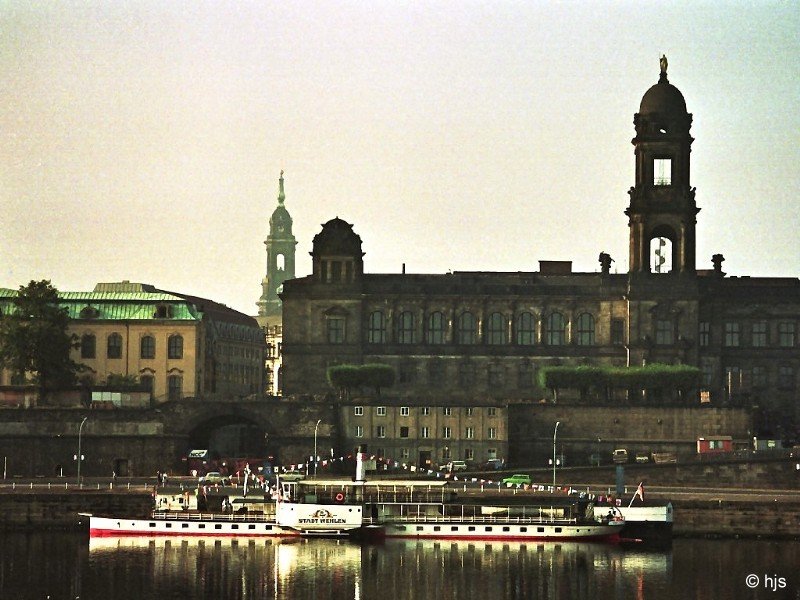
(419, 527)
(523, 529)
(437, 528)
(487, 528)
(152, 524)
(454, 528)
(251, 526)
(540, 530)
(202, 526)
(268, 528)
(470, 528)
(217, 526)
(169, 525)
(558, 529)
(185, 526)
(234, 527)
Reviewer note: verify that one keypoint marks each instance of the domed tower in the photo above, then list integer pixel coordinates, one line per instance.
(337, 255)
(662, 211)
(280, 245)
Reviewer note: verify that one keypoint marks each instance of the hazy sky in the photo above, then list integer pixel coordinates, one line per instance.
(143, 140)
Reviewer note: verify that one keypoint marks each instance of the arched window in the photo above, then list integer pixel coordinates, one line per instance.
(114, 346)
(175, 346)
(405, 328)
(467, 329)
(556, 330)
(526, 329)
(88, 345)
(147, 347)
(496, 330)
(436, 328)
(376, 328)
(147, 382)
(585, 330)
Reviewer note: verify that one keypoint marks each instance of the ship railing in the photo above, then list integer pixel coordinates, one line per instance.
(201, 516)
(502, 520)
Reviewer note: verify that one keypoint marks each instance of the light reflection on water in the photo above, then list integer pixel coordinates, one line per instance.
(70, 566)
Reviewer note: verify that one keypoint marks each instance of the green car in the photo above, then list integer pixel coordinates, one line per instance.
(518, 479)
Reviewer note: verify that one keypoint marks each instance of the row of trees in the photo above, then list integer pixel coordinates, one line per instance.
(655, 379)
(347, 378)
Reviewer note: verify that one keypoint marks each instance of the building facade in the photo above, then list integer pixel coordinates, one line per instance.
(477, 338)
(174, 345)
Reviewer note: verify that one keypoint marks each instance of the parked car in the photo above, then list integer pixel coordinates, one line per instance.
(493, 464)
(642, 458)
(517, 479)
(620, 456)
(214, 478)
(456, 465)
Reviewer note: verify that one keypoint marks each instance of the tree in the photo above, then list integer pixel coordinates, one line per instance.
(34, 339)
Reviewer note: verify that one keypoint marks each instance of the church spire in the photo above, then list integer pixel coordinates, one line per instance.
(281, 195)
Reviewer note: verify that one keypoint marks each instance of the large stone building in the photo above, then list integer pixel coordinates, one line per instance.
(173, 344)
(280, 245)
(463, 340)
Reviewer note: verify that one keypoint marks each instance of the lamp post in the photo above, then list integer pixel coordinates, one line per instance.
(315, 447)
(80, 456)
(555, 433)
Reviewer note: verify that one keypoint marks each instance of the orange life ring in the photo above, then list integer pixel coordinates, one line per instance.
(340, 497)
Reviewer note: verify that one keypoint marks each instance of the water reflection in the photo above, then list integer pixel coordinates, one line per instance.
(70, 566)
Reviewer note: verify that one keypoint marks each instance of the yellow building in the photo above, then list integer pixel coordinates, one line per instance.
(175, 345)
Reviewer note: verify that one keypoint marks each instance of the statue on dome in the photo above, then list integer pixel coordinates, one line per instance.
(663, 63)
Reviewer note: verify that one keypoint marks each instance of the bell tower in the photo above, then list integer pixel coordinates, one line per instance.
(662, 213)
(280, 245)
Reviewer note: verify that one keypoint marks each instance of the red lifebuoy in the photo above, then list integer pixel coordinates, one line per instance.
(340, 497)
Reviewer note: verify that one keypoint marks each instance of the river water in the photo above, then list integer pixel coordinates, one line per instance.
(69, 566)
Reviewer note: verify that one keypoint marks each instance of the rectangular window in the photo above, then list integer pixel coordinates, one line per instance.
(335, 330)
(380, 431)
(88, 346)
(704, 334)
(405, 453)
(732, 330)
(469, 454)
(759, 377)
(148, 347)
(469, 411)
(492, 433)
(425, 432)
(785, 377)
(404, 411)
(617, 332)
(662, 171)
(175, 347)
(114, 349)
(446, 433)
(759, 334)
(174, 385)
(359, 431)
(380, 411)
(404, 432)
(664, 332)
(786, 334)
(358, 411)
(426, 410)
(447, 411)
(491, 411)
(469, 433)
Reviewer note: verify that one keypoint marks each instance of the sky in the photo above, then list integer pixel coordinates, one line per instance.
(143, 140)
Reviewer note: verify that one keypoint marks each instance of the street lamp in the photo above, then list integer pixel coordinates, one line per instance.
(80, 456)
(555, 432)
(315, 447)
